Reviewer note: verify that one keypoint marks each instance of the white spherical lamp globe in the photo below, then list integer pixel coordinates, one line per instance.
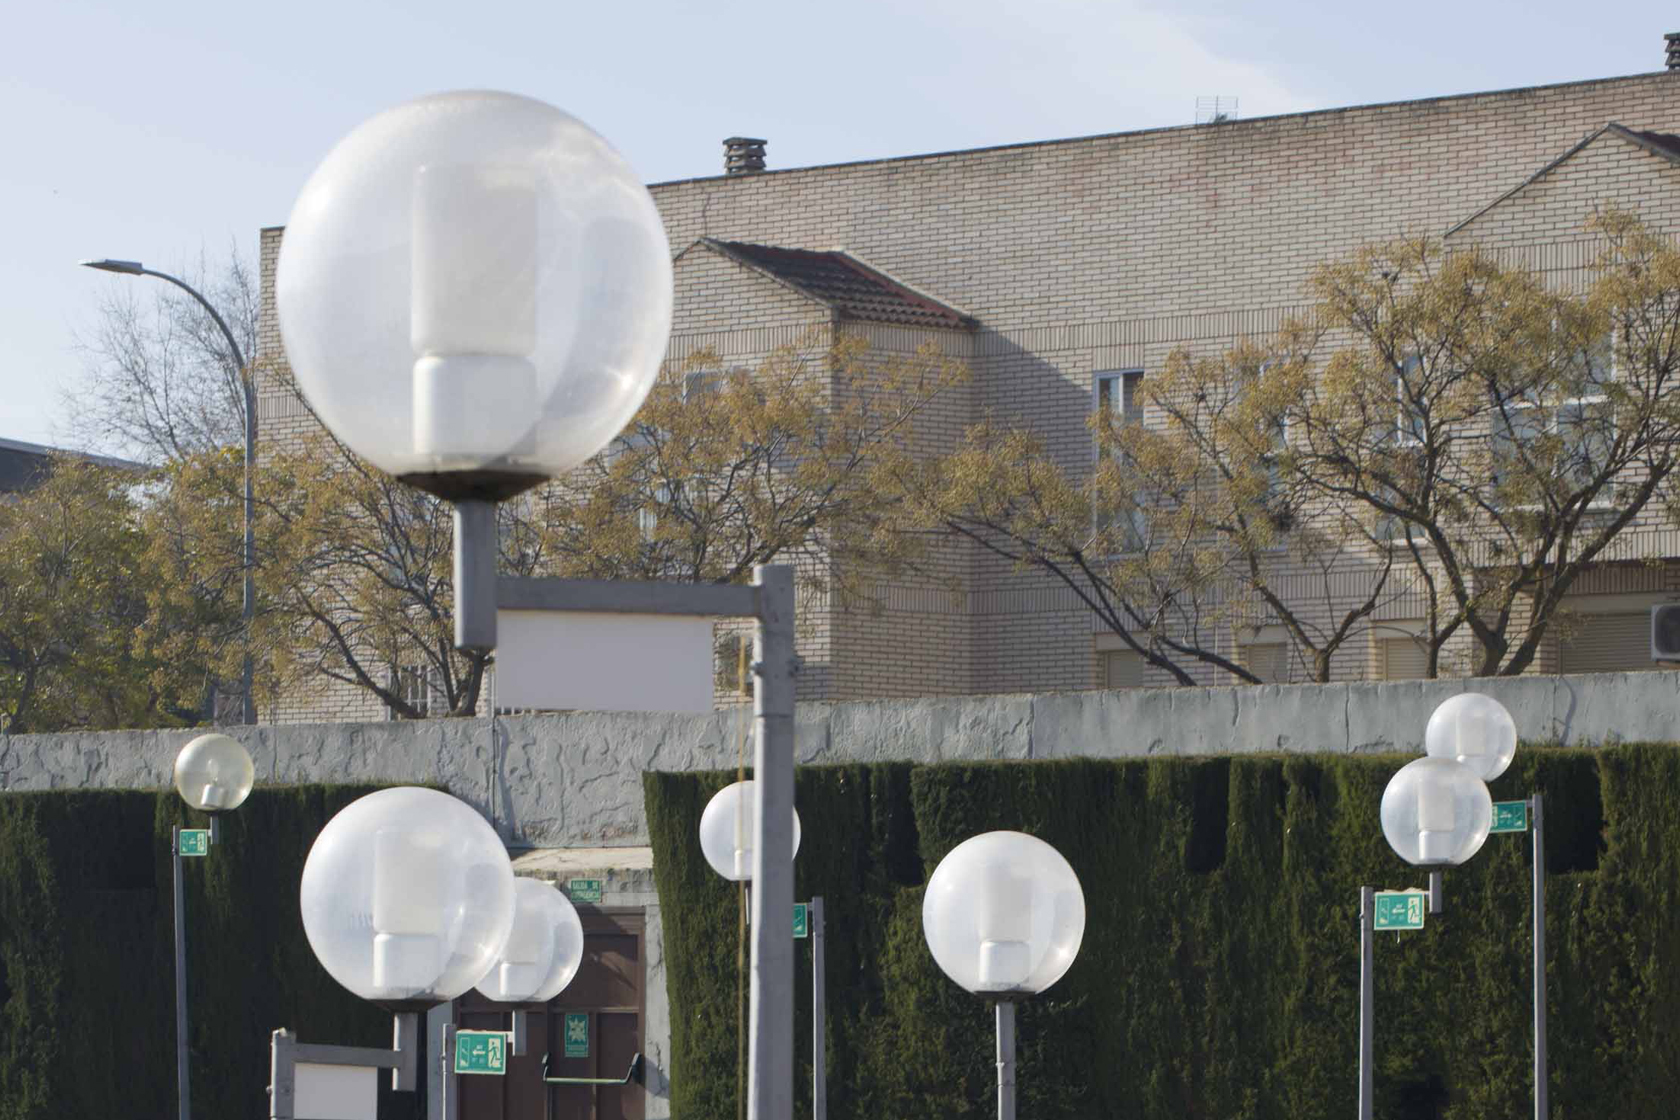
(407, 897)
(1004, 912)
(474, 291)
(543, 950)
(1436, 812)
(1474, 729)
(213, 773)
(726, 831)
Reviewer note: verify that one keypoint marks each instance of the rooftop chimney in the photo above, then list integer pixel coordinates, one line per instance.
(1672, 39)
(742, 155)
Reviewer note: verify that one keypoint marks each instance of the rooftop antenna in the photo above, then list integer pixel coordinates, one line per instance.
(1215, 110)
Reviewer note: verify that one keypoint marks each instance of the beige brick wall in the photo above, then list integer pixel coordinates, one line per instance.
(1103, 253)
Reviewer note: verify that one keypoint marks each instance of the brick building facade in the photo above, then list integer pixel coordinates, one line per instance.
(1069, 260)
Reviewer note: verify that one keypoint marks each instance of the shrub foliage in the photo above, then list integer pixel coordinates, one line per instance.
(1220, 967)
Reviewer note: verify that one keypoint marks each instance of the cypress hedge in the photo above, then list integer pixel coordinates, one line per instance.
(87, 988)
(1219, 972)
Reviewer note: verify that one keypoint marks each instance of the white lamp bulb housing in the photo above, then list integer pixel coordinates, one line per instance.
(407, 897)
(1004, 913)
(474, 292)
(726, 831)
(1436, 812)
(1475, 729)
(543, 950)
(214, 773)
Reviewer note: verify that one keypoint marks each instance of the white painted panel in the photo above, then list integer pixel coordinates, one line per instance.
(603, 662)
(336, 1092)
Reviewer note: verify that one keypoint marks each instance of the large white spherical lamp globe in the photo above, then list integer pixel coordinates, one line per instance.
(1436, 812)
(1475, 729)
(1004, 912)
(726, 831)
(407, 897)
(543, 950)
(474, 292)
(213, 773)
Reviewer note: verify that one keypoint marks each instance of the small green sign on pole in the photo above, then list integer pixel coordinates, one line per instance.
(1510, 816)
(195, 841)
(585, 890)
(577, 1034)
(1400, 909)
(801, 920)
(481, 1052)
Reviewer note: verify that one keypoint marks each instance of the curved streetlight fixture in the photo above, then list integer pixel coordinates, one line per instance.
(213, 774)
(407, 898)
(726, 831)
(248, 707)
(1004, 915)
(544, 948)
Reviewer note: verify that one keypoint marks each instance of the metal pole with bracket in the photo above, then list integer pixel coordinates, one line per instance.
(183, 1090)
(1540, 1094)
(819, 1016)
(1367, 996)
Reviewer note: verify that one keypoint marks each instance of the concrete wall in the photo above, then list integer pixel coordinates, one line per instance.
(574, 781)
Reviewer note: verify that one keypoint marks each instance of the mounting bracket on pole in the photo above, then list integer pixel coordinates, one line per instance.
(286, 1052)
(635, 1067)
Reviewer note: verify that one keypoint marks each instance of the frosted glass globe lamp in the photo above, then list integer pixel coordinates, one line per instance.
(543, 951)
(1436, 812)
(474, 291)
(1004, 913)
(213, 773)
(407, 897)
(1474, 729)
(726, 831)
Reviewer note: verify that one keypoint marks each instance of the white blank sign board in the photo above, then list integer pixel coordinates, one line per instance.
(603, 662)
(336, 1092)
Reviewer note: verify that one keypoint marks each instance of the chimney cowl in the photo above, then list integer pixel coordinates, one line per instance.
(743, 155)
(1671, 41)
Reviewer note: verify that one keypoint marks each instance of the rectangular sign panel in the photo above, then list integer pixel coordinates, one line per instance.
(480, 1052)
(1401, 909)
(1510, 816)
(801, 920)
(577, 1034)
(326, 1092)
(195, 841)
(582, 661)
(585, 890)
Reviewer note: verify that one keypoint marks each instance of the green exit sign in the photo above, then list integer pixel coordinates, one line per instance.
(1510, 816)
(195, 841)
(481, 1052)
(577, 1034)
(585, 890)
(1401, 909)
(801, 920)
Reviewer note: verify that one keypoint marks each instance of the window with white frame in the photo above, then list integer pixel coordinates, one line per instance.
(1408, 417)
(1120, 393)
(415, 685)
(1584, 423)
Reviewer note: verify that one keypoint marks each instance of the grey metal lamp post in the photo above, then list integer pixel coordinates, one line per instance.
(1004, 916)
(247, 708)
(475, 295)
(213, 774)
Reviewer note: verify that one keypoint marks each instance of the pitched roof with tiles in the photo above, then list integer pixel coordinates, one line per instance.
(851, 287)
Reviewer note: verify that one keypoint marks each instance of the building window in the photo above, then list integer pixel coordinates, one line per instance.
(1120, 668)
(1120, 391)
(413, 683)
(1402, 657)
(1267, 660)
(1409, 427)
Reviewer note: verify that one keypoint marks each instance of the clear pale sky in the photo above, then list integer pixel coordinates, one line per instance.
(158, 130)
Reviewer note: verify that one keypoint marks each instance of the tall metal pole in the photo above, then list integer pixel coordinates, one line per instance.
(1540, 1105)
(1367, 996)
(819, 1016)
(183, 1091)
(770, 1048)
(1006, 1059)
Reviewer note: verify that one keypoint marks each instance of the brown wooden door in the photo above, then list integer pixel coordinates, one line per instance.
(610, 990)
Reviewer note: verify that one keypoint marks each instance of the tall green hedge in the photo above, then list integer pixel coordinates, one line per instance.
(87, 988)
(1219, 972)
